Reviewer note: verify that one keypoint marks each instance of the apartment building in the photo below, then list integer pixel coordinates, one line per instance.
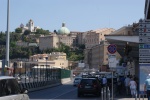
(125, 30)
(54, 59)
(98, 56)
(94, 37)
(48, 42)
(81, 37)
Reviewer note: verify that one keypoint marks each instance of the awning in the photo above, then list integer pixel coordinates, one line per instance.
(121, 42)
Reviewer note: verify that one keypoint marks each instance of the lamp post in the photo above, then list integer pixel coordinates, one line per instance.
(7, 37)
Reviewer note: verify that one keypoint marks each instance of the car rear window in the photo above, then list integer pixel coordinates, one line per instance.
(77, 78)
(88, 81)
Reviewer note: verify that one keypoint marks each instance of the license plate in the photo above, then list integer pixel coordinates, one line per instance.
(87, 87)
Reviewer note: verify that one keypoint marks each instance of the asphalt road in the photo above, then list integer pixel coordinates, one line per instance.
(62, 92)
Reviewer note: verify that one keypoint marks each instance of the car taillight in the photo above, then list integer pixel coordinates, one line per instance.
(79, 86)
(95, 86)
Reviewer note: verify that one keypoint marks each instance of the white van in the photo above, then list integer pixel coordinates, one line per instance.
(10, 90)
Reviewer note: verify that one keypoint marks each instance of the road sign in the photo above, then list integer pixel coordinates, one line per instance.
(144, 55)
(144, 25)
(144, 51)
(112, 60)
(144, 39)
(144, 60)
(144, 34)
(144, 46)
(112, 48)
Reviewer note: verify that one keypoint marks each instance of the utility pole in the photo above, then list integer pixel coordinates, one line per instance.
(7, 37)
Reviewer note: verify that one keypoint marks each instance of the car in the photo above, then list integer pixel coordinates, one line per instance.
(89, 86)
(10, 89)
(76, 81)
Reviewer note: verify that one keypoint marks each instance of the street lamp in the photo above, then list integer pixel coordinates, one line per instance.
(7, 37)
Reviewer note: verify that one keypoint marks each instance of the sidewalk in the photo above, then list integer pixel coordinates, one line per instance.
(130, 99)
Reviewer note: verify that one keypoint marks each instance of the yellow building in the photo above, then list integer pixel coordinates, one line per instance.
(54, 59)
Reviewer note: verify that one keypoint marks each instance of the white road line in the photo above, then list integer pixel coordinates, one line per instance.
(63, 93)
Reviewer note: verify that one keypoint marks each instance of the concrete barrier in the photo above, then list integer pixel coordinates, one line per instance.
(65, 80)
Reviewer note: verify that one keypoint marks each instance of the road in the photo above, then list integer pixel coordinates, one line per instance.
(62, 92)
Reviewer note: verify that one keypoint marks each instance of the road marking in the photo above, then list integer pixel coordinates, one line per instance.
(63, 93)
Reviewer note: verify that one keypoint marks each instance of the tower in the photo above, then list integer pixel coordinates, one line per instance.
(31, 25)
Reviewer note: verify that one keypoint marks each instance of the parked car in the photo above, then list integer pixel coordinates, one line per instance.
(89, 86)
(10, 90)
(76, 81)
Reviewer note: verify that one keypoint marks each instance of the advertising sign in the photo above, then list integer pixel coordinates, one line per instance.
(144, 69)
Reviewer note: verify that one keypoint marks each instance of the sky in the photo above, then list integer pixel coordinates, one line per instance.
(78, 15)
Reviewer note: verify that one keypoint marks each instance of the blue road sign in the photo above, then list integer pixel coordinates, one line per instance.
(112, 48)
(144, 46)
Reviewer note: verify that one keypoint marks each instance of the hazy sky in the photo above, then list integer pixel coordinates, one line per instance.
(79, 15)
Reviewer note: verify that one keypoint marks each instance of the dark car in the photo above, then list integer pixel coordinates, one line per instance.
(89, 86)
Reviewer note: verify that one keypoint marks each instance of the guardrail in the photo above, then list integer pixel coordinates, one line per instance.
(33, 86)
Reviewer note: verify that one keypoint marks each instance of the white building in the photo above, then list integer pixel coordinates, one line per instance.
(29, 26)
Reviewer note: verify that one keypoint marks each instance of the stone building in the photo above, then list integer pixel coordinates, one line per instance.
(71, 39)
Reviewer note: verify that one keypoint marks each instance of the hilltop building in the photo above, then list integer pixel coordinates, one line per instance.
(29, 26)
(63, 35)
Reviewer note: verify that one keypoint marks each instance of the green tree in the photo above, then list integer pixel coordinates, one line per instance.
(15, 37)
(12, 44)
(18, 30)
(2, 39)
(41, 31)
(27, 32)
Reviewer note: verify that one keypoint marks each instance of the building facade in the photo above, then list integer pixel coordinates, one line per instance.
(71, 39)
(98, 56)
(48, 42)
(94, 37)
(53, 60)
